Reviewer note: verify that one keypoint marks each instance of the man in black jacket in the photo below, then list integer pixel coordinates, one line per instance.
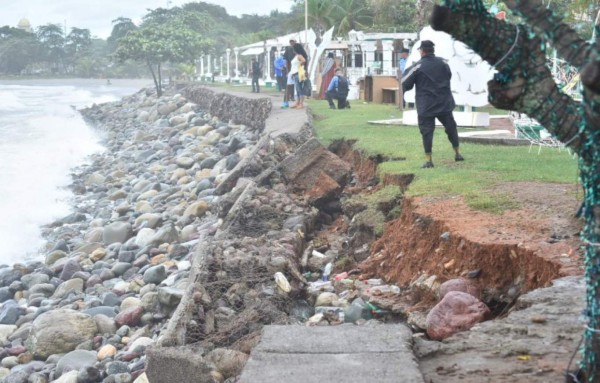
(431, 76)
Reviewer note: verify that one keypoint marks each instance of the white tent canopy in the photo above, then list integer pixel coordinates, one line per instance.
(278, 41)
(253, 51)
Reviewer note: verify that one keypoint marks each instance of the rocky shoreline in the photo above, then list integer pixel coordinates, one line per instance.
(208, 216)
(117, 267)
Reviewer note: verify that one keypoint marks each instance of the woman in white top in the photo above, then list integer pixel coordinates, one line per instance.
(299, 59)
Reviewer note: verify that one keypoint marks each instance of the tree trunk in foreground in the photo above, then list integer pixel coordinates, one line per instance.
(157, 84)
(524, 83)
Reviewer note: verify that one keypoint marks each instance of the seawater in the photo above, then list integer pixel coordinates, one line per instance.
(42, 136)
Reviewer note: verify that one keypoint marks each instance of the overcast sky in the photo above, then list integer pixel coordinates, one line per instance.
(96, 15)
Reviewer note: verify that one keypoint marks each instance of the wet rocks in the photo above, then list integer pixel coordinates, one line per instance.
(75, 360)
(155, 274)
(119, 267)
(228, 362)
(464, 285)
(59, 331)
(456, 312)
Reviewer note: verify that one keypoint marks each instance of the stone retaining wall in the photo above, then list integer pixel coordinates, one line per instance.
(251, 112)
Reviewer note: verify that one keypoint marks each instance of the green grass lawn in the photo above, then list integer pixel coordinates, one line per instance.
(474, 178)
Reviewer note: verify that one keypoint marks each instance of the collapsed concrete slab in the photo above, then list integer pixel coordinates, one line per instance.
(311, 166)
(345, 353)
(177, 364)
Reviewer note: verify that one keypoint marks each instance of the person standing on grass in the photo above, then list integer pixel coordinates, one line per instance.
(256, 72)
(327, 74)
(431, 77)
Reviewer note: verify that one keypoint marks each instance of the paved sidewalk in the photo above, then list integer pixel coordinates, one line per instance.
(345, 353)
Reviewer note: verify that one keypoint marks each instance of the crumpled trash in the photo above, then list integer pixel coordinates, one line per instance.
(313, 320)
(381, 289)
(359, 309)
(282, 282)
(327, 271)
(302, 310)
(317, 287)
(341, 276)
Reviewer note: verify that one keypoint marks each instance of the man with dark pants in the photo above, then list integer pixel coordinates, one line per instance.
(256, 72)
(338, 89)
(431, 76)
(280, 72)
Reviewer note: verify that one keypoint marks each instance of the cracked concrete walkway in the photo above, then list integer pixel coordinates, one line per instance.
(345, 353)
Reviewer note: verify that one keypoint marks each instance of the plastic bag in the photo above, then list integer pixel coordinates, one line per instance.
(307, 88)
(282, 282)
(301, 73)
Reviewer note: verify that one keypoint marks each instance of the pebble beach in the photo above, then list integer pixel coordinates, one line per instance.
(116, 268)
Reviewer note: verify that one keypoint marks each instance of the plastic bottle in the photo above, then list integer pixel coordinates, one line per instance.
(385, 289)
(341, 276)
(375, 282)
(357, 310)
(327, 271)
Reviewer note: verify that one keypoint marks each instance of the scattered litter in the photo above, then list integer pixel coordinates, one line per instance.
(282, 282)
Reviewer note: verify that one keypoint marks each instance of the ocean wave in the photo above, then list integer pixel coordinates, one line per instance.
(10, 101)
(41, 140)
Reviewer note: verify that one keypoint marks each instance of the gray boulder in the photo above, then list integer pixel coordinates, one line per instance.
(10, 312)
(169, 296)
(166, 234)
(72, 285)
(6, 331)
(155, 275)
(31, 280)
(117, 232)
(59, 331)
(76, 360)
(70, 268)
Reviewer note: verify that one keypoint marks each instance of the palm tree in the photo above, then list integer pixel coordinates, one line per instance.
(320, 14)
(351, 14)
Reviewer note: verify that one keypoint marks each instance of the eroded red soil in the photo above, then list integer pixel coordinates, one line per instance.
(517, 251)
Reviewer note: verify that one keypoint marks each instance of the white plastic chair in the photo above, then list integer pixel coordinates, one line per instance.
(531, 130)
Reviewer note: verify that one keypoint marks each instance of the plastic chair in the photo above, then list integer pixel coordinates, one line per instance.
(531, 130)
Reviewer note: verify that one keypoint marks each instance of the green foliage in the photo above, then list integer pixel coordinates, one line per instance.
(165, 36)
(185, 70)
(52, 41)
(352, 14)
(321, 14)
(77, 52)
(399, 15)
(78, 42)
(17, 50)
(121, 26)
(161, 41)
